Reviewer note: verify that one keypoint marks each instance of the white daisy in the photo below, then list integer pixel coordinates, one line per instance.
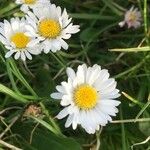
(132, 18)
(51, 27)
(13, 35)
(88, 97)
(30, 4)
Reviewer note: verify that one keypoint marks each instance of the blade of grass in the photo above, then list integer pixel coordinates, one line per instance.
(48, 126)
(136, 49)
(142, 110)
(18, 74)
(132, 99)
(91, 16)
(123, 133)
(6, 90)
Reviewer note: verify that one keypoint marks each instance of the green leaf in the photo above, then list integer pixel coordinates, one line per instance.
(47, 141)
(42, 139)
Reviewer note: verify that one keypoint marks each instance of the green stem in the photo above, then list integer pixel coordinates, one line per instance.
(59, 61)
(11, 78)
(21, 78)
(133, 68)
(145, 21)
(51, 119)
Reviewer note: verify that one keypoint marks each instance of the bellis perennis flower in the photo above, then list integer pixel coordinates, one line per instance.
(132, 18)
(31, 4)
(88, 97)
(14, 36)
(52, 27)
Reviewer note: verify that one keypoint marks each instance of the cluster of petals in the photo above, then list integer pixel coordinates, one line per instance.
(132, 18)
(44, 28)
(88, 98)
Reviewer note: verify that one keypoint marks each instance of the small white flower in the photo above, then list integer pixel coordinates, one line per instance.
(132, 18)
(88, 97)
(30, 4)
(14, 36)
(51, 26)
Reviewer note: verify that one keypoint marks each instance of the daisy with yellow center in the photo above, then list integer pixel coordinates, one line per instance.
(88, 98)
(132, 18)
(52, 27)
(31, 4)
(14, 36)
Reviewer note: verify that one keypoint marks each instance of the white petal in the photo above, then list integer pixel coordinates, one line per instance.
(66, 100)
(109, 102)
(103, 76)
(35, 50)
(121, 24)
(7, 29)
(93, 74)
(71, 74)
(72, 29)
(17, 55)
(68, 87)
(9, 53)
(47, 45)
(56, 45)
(3, 40)
(28, 55)
(63, 113)
(23, 57)
(60, 89)
(56, 95)
(32, 43)
(69, 120)
(81, 72)
(109, 110)
(15, 24)
(24, 8)
(64, 44)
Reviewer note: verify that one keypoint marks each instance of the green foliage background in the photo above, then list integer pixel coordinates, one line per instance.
(125, 52)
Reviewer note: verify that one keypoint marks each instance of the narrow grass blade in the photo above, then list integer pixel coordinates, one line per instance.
(136, 49)
(46, 125)
(142, 110)
(6, 90)
(132, 99)
(91, 16)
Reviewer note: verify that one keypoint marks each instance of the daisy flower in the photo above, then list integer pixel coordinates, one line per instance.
(14, 36)
(52, 27)
(30, 4)
(88, 98)
(132, 18)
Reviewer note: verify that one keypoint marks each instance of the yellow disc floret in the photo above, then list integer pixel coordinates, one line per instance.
(132, 16)
(29, 1)
(49, 28)
(85, 97)
(20, 40)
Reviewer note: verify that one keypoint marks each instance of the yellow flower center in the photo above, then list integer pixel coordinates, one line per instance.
(29, 1)
(132, 16)
(49, 28)
(20, 40)
(85, 97)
